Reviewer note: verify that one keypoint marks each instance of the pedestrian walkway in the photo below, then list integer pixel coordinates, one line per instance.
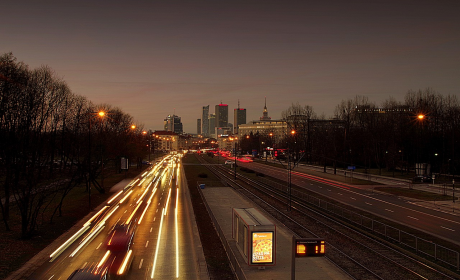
(221, 201)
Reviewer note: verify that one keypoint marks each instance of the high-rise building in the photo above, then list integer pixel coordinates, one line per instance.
(239, 117)
(198, 126)
(205, 121)
(212, 125)
(221, 115)
(173, 123)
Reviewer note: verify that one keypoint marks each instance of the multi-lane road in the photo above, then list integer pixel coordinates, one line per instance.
(441, 224)
(154, 211)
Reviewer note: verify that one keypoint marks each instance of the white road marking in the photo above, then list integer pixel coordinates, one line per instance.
(368, 203)
(448, 228)
(146, 244)
(140, 265)
(389, 210)
(353, 198)
(98, 246)
(412, 218)
(151, 229)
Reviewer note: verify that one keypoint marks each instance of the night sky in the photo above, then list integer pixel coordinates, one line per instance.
(155, 58)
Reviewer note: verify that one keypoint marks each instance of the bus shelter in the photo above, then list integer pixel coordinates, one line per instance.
(255, 236)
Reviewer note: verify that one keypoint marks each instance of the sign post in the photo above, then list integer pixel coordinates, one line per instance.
(306, 247)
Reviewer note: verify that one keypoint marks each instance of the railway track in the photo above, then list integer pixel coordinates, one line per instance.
(360, 256)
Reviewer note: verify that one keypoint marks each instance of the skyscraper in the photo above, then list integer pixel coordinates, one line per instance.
(212, 125)
(239, 117)
(205, 121)
(173, 123)
(198, 126)
(221, 115)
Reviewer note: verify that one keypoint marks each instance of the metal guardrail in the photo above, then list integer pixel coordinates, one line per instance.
(420, 245)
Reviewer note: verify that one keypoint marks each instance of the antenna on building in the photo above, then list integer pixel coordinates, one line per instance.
(238, 103)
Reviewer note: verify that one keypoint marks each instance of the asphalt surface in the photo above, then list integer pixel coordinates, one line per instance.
(165, 243)
(441, 218)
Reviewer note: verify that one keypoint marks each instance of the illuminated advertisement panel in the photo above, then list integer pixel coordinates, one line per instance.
(262, 247)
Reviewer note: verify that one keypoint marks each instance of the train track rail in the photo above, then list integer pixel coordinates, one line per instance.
(360, 256)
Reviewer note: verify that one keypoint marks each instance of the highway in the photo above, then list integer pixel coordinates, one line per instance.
(441, 224)
(153, 238)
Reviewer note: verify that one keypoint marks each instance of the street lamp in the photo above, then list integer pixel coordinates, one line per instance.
(101, 114)
(290, 172)
(234, 139)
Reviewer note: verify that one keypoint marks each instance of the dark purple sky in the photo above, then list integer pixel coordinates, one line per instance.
(154, 58)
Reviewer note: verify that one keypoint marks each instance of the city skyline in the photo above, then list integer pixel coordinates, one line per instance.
(157, 59)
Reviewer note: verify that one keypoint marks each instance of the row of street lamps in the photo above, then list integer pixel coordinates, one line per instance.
(100, 115)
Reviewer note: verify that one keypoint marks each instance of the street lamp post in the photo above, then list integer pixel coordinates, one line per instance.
(101, 114)
(290, 172)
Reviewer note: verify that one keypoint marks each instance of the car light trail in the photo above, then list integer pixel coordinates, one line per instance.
(177, 235)
(125, 197)
(132, 214)
(95, 216)
(104, 258)
(167, 202)
(158, 245)
(147, 206)
(69, 241)
(125, 263)
(177, 177)
(143, 194)
(88, 239)
(113, 198)
(324, 181)
(110, 214)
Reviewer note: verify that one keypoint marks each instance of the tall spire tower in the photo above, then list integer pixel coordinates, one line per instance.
(265, 116)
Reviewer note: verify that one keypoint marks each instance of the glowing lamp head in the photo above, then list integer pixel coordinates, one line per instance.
(292, 132)
(101, 114)
(421, 117)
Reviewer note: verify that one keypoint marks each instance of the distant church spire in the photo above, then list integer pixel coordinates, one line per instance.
(265, 116)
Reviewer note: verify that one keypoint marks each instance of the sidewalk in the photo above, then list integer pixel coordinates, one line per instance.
(221, 201)
(451, 206)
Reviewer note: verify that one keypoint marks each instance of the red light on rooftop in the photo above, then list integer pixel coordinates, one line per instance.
(223, 105)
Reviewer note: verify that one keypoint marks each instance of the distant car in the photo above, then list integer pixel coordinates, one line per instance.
(229, 162)
(421, 179)
(89, 274)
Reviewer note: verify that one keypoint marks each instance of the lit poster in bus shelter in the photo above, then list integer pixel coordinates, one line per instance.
(262, 247)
